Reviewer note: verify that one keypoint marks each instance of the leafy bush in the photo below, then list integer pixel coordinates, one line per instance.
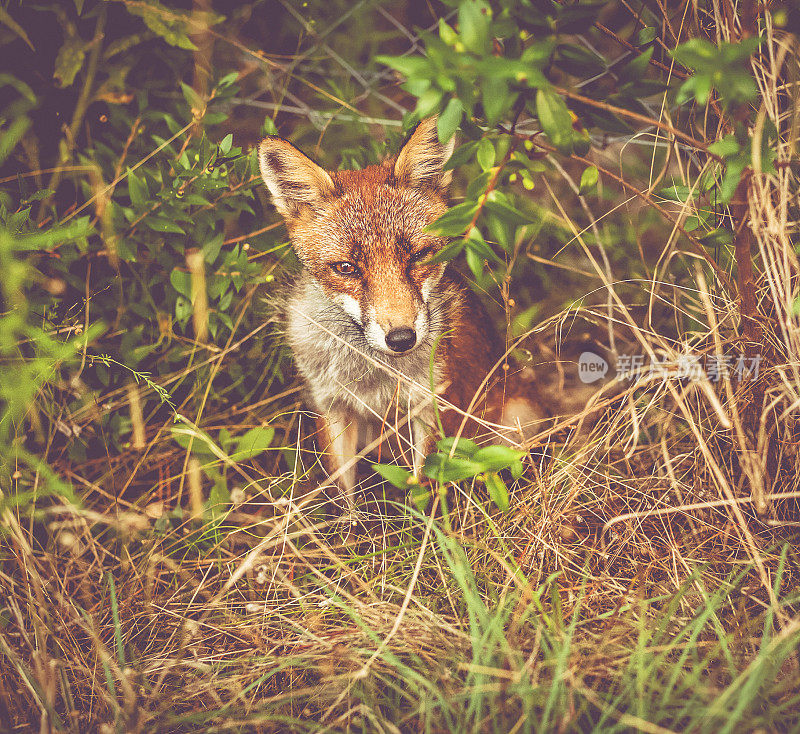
(625, 182)
(155, 184)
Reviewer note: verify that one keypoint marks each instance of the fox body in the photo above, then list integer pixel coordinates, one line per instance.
(371, 323)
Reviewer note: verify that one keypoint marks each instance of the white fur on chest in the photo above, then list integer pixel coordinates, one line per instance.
(342, 371)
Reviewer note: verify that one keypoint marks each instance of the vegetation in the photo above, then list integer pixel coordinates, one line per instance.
(626, 185)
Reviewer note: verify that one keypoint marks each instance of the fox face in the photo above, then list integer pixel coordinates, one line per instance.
(361, 234)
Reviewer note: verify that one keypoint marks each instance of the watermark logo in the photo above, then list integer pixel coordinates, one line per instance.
(591, 367)
(689, 367)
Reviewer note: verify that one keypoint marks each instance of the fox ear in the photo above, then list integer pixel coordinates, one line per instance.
(293, 179)
(420, 161)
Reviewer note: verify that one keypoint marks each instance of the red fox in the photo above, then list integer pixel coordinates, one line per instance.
(370, 317)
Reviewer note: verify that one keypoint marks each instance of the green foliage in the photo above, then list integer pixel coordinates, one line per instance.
(502, 62)
(135, 250)
(394, 474)
(462, 459)
(457, 461)
(589, 179)
(555, 119)
(161, 182)
(725, 68)
(216, 457)
(174, 26)
(30, 355)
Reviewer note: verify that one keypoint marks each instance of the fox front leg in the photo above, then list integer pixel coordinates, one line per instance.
(341, 436)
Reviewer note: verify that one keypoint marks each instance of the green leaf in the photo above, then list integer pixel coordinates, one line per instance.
(463, 446)
(473, 25)
(411, 67)
(39, 195)
(579, 61)
(18, 220)
(443, 468)
(461, 155)
(588, 180)
(486, 154)
(676, 193)
(256, 441)
(46, 239)
(396, 475)
(14, 27)
(495, 458)
(475, 263)
(69, 60)
(212, 247)
(719, 237)
(725, 68)
(454, 221)
(477, 186)
(224, 439)
(170, 24)
(496, 99)
(555, 119)
(497, 490)
(193, 99)
(446, 33)
(137, 191)
(200, 441)
(499, 205)
(637, 68)
(517, 469)
(691, 224)
(477, 245)
(225, 144)
(698, 86)
(696, 53)
(725, 147)
(181, 282)
(448, 121)
(645, 35)
(227, 80)
(421, 496)
(641, 88)
(539, 52)
(448, 252)
(160, 223)
(429, 102)
(730, 181)
(219, 496)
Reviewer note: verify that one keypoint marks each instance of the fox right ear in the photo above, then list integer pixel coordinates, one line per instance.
(421, 160)
(293, 179)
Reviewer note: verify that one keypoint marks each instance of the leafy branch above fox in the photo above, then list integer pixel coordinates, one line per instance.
(370, 316)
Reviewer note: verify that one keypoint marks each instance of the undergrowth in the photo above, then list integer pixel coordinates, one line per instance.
(626, 186)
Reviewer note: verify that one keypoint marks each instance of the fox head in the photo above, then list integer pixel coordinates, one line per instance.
(361, 234)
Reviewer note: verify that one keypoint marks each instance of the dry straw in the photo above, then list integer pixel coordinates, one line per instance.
(641, 560)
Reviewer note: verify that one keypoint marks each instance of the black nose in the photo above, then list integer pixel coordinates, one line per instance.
(401, 340)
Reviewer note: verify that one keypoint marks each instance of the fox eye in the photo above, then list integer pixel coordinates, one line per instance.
(421, 255)
(345, 268)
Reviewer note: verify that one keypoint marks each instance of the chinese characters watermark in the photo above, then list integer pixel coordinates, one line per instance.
(691, 367)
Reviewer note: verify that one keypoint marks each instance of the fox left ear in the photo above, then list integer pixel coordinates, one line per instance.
(420, 161)
(293, 179)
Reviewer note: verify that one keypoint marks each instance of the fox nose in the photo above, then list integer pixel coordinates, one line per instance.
(401, 340)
